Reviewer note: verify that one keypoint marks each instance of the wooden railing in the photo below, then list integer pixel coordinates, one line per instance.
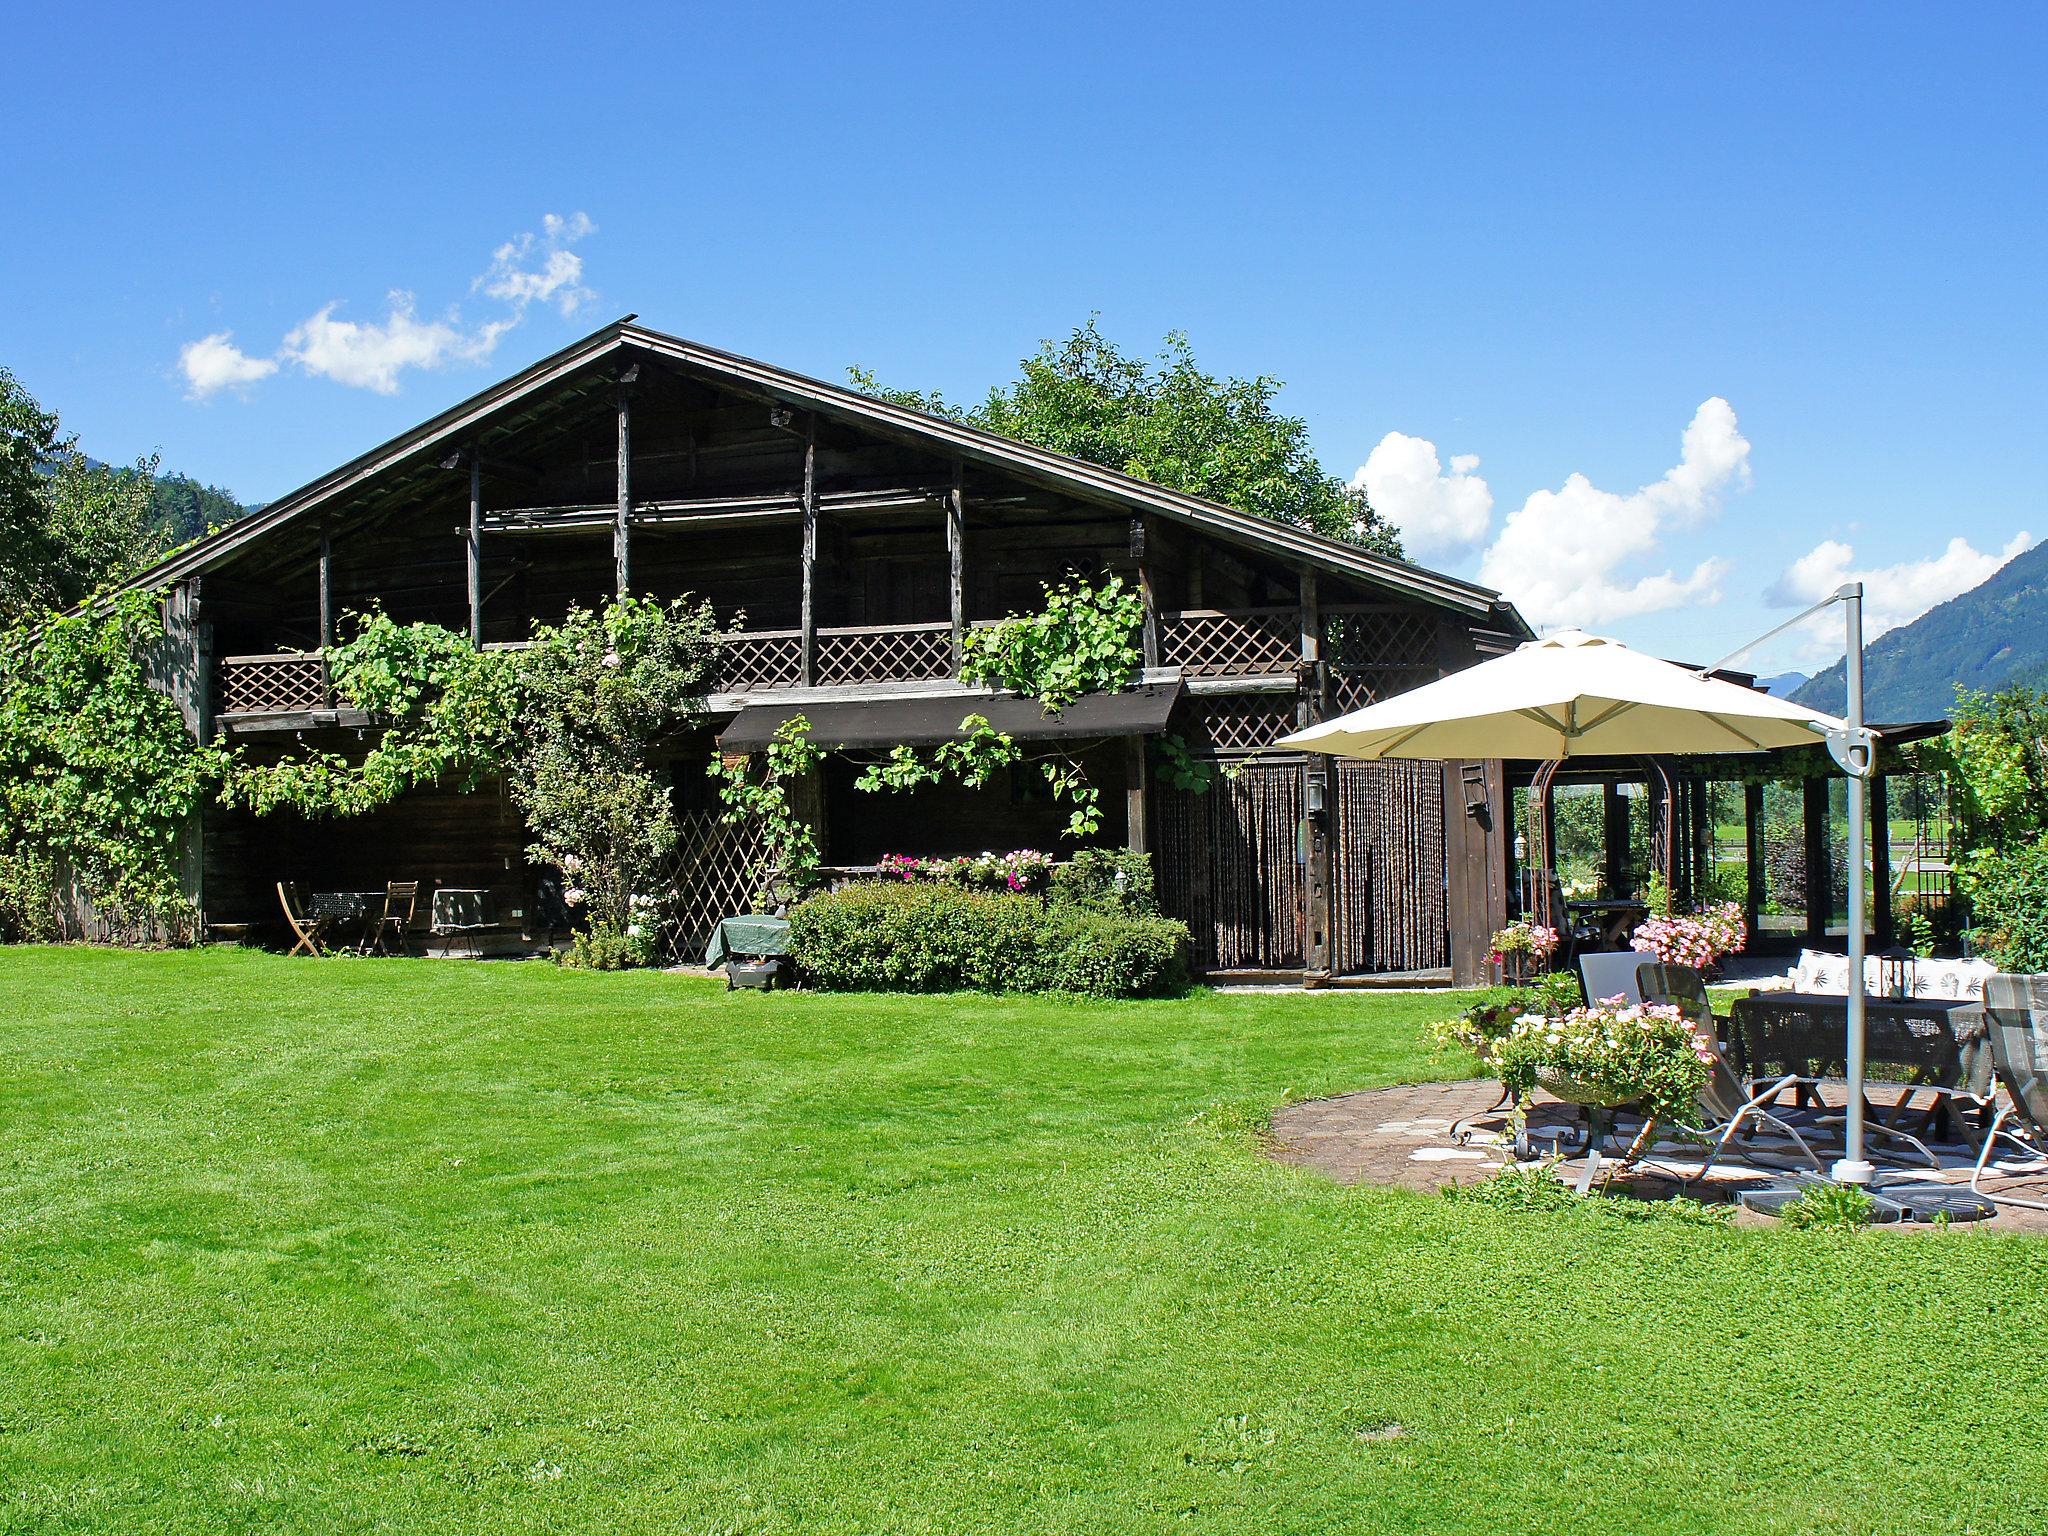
(282, 683)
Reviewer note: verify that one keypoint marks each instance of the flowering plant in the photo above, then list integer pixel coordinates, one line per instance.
(1024, 869)
(1524, 937)
(1611, 1052)
(1480, 1027)
(1697, 941)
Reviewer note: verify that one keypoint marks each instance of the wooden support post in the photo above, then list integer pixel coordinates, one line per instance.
(1756, 853)
(326, 610)
(956, 561)
(1309, 708)
(1883, 919)
(809, 619)
(1820, 882)
(1614, 840)
(622, 533)
(473, 548)
(1141, 552)
(1135, 837)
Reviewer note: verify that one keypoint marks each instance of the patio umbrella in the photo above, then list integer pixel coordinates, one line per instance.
(1569, 695)
(1578, 695)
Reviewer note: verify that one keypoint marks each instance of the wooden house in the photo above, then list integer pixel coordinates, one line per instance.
(848, 544)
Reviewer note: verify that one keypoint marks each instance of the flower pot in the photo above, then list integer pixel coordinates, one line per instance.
(1573, 1091)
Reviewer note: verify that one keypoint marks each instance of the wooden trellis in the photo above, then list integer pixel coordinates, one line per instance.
(713, 872)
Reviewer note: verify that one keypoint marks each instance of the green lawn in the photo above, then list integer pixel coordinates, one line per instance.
(414, 1246)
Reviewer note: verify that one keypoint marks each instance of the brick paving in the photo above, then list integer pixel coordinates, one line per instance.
(1404, 1136)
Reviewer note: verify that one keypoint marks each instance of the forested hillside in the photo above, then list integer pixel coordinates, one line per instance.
(1992, 636)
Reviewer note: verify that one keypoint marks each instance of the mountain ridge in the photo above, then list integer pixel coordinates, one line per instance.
(1993, 636)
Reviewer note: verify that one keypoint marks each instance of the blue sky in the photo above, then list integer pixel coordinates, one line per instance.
(1553, 237)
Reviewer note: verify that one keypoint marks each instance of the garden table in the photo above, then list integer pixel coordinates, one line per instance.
(336, 909)
(459, 910)
(1938, 1045)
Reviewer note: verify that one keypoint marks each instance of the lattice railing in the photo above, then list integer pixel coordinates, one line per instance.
(865, 653)
(712, 872)
(875, 653)
(766, 658)
(272, 685)
(1208, 642)
(1375, 653)
(1238, 722)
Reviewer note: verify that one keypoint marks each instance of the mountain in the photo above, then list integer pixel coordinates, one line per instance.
(1992, 636)
(188, 508)
(1784, 685)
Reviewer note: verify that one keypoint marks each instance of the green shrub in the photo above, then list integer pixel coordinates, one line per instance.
(1105, 880)
(1108, 954)
(894, 937)
(27, 899)
(2008, 891)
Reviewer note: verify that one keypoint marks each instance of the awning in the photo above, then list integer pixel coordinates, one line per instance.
(884, 722)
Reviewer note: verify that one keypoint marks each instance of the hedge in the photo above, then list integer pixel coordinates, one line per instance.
(894, 937)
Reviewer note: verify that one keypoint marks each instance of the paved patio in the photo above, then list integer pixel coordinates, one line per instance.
(1403, 1136)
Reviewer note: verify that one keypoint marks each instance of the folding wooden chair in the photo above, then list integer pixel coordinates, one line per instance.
(401, 900)
(307, 929)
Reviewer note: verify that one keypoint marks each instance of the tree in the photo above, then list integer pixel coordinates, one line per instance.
(68, 526)
(1167, 421)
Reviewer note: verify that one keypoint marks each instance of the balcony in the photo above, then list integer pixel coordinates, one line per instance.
(1369, 651)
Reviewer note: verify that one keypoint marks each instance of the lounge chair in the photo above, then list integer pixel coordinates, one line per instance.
(1613, 973)
(2016, 1019)
(1729, 1103)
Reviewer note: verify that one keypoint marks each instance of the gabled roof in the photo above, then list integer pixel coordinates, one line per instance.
(455, 427)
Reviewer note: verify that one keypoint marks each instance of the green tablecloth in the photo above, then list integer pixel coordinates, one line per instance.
(754, 935)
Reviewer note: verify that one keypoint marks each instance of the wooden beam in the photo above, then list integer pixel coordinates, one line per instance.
(326, 587)
(473, 550)
(1310, 708)
(808, 623)
(1883, 919)
(1614, 840)
(1756, 852)
(622, 529)
(1820, 881)
(956, 561)
(1135, 830)
(1141, 540)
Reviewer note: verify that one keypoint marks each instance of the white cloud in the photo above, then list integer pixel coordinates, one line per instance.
(1892, 594)
(1566, 557)
(557, 278)
(213, 363)
(530, 268)
(371, 356)
(1436, 513)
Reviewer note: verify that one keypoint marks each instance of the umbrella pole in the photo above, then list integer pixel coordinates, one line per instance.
(1854, 1168)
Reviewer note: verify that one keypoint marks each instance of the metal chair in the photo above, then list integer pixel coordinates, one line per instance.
(2016, 1018)
(401, 901)
(304, 926)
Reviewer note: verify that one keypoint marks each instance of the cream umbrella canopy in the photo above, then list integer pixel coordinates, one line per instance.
(1569, 695)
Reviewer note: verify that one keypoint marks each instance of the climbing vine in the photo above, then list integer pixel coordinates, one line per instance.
(98, 771)
(1079, 642)
(762, 801)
